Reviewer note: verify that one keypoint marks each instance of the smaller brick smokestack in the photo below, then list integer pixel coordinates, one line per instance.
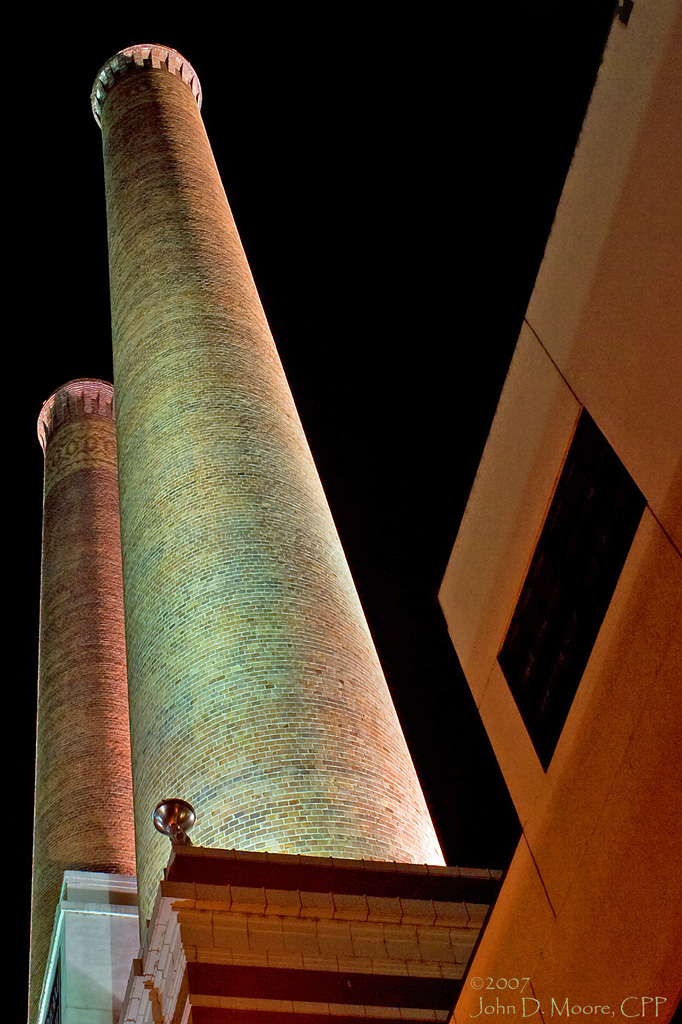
(83, 808)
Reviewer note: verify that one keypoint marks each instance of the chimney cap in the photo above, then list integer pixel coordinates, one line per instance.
(141, 55)
(85, 396)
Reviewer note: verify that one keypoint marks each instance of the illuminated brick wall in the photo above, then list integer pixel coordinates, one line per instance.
(83, 816)
(255, 689)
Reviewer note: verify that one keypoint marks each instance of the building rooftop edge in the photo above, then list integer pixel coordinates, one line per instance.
(84, 396)
(151, 55)
(326, 874)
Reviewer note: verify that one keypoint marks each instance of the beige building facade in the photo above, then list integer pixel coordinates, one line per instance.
(589, 909)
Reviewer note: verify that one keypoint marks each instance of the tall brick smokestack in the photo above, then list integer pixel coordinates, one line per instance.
(255, 689)
(83, 809)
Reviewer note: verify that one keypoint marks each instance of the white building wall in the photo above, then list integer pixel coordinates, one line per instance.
(94, 942)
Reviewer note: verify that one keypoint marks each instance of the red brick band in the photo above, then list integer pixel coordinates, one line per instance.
(324, 986)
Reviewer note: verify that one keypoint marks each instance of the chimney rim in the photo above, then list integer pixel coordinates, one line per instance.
(141, 55)
(62, 405)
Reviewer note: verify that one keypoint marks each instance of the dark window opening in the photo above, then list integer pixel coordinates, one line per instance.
(584, 542)
(54, 1009)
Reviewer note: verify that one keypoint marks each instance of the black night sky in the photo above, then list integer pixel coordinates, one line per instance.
(394, 178)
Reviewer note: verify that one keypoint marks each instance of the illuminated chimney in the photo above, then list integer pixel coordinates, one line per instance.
(255, 689)
(83, 808)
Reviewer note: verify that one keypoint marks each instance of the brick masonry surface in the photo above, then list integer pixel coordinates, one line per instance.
(255, 689)
(83, 812)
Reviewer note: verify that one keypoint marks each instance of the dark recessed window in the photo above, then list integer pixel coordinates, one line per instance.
(582, 548)
(54, 1010)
